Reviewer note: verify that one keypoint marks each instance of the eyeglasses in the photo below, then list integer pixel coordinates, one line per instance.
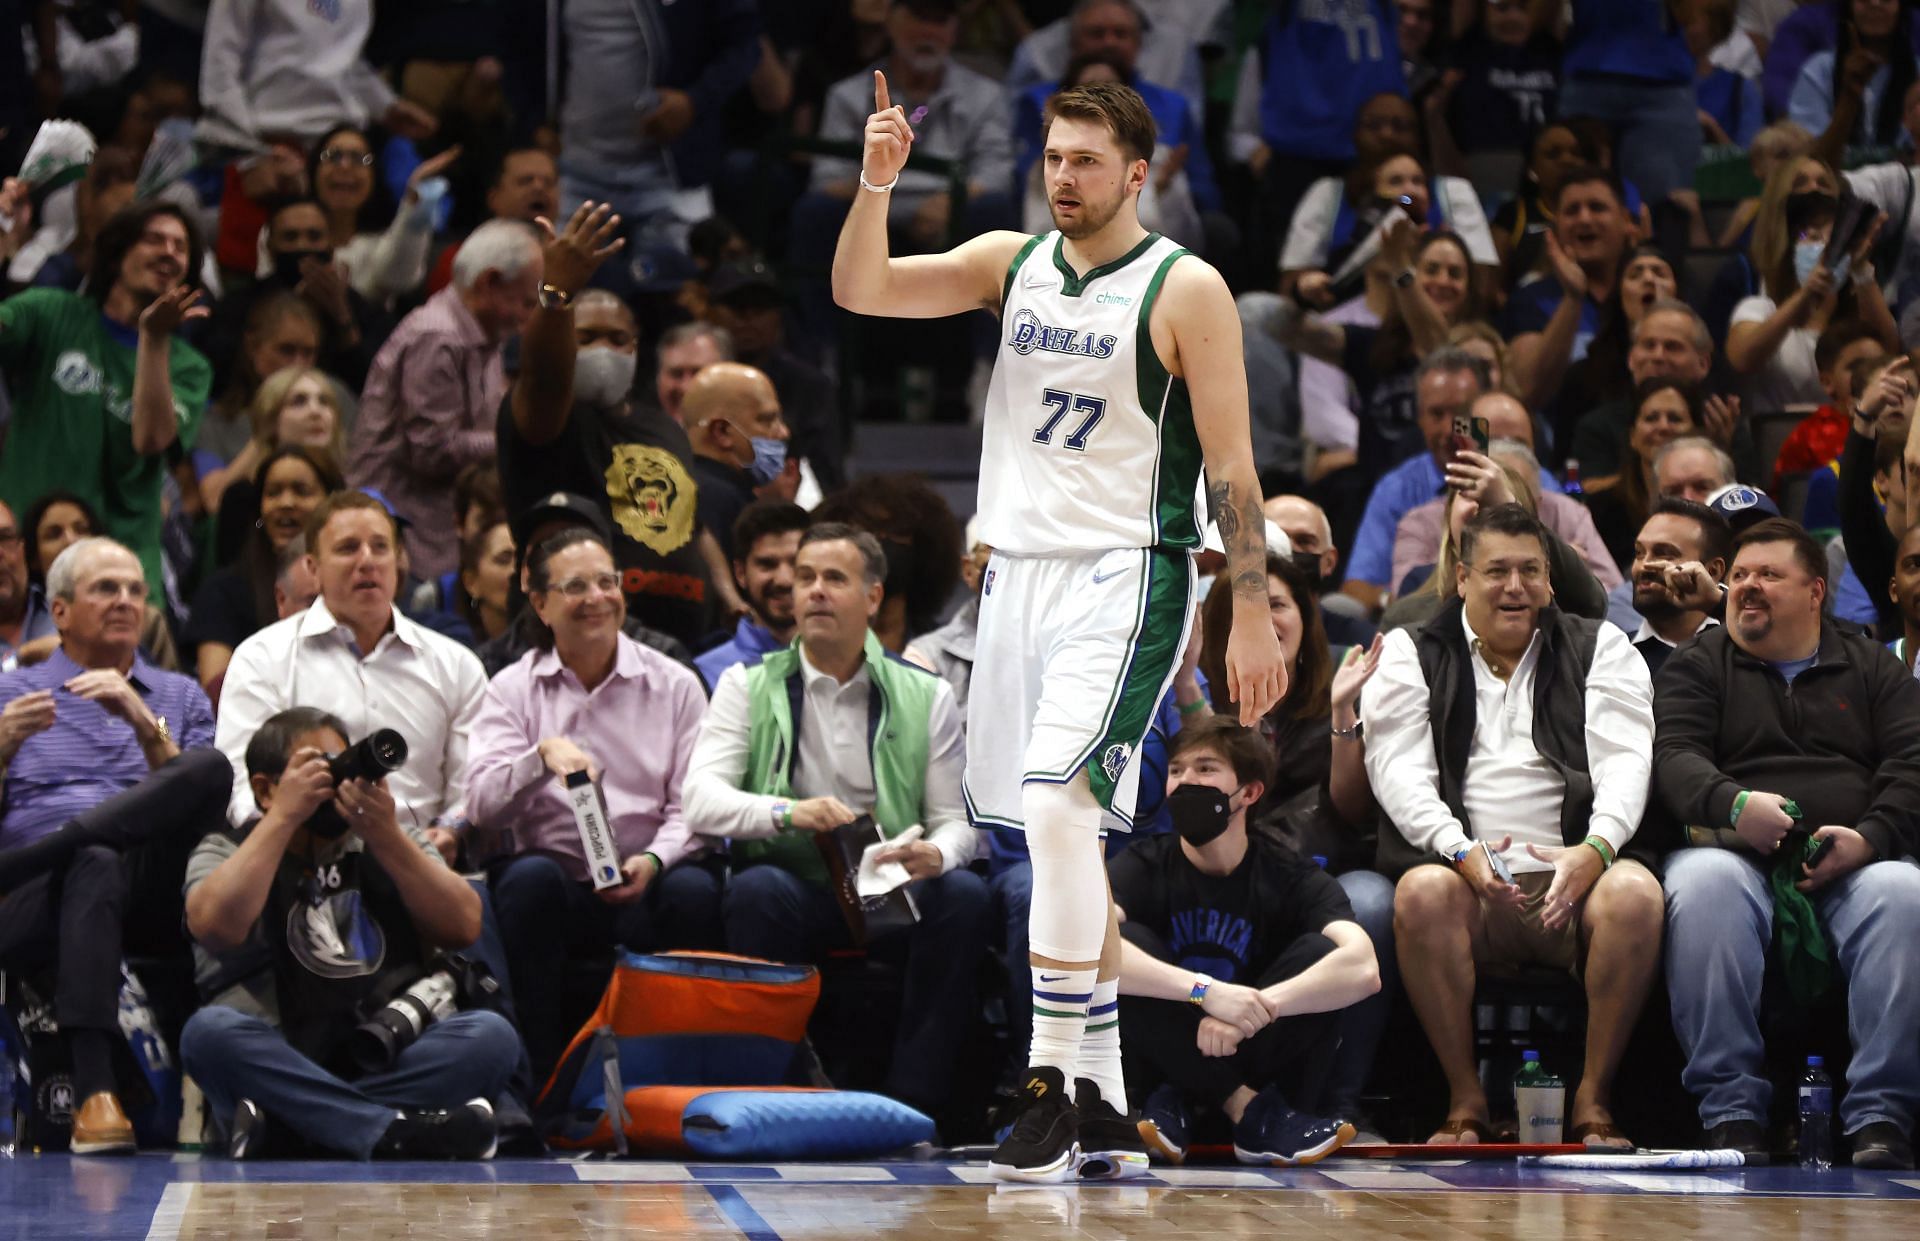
(1531, 574)
(338, 157)
(576, 588)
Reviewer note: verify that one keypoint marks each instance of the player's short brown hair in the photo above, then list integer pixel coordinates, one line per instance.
(1117, 106)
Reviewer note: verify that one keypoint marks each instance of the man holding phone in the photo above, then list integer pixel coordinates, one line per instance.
(1788, 753)
(1509, 744)
(814, 736)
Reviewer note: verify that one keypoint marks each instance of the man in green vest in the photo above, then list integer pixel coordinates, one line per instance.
(102, 385)
(805, 741)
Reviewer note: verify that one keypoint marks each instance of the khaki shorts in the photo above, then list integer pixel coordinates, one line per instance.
(1515, 937)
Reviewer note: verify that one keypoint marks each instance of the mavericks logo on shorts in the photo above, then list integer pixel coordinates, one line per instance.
(1114, 761)
(1029, 334)
(986, 587)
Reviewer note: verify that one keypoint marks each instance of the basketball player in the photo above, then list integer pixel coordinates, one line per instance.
(1119, 375)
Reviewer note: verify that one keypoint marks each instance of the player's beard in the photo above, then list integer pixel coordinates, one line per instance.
(1093, 218)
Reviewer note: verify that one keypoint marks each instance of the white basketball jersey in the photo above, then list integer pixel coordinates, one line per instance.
(1089, 442)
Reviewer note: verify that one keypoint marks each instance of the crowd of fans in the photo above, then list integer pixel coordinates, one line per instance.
(468, 369)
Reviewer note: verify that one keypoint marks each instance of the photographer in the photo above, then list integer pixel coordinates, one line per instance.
(305, 922)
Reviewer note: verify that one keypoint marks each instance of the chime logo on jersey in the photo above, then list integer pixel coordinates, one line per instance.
(1030, 334)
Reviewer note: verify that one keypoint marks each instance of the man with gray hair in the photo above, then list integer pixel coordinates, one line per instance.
(436, 386)
(1671, 342)
(790, 747)
(109, 781)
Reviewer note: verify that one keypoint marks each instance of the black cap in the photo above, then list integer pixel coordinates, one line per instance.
(744, 280)
(564, 506)
(1742, 505)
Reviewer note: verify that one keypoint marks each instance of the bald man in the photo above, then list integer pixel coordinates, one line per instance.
(739, 438)
(1314, 554)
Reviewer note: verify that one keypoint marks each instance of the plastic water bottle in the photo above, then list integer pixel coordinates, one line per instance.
(1816, 1117)
(1540, 1099)
(7, 1126)
(1573, 487)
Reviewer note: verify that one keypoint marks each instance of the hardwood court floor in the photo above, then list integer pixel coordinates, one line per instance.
(159, 1199)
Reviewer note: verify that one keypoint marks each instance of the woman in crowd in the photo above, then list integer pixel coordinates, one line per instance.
(51, 524)
(237, 601)
(282, 331)
(297, 405)
(1773, 334)
(486, 581)
(385, 250)
(1664, 410)
(1381, 361)
(1520, 225)
(1852, 95)
(1483, 341)
(1602, 376)
(1335, 217)
(1320, 798)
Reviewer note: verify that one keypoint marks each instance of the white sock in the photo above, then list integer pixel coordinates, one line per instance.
(1100, 1046)
(1060, 1001)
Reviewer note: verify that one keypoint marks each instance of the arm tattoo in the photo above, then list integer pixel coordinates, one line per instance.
(1243, 530)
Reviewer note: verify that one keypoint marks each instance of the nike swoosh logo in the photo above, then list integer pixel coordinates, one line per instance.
(1055, 978)
(1107, 577)
(1031, 283)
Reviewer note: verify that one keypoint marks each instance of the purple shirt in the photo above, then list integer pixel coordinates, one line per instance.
(426, 414)
(639, 725)
(89, 754)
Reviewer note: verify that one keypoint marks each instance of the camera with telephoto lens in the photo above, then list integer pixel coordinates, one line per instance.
(373, 756)
(453, 980)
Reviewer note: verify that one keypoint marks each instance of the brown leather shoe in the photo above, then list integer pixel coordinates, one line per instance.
(100, 1127)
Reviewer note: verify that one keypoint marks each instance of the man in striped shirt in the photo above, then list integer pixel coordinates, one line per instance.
(108, 782)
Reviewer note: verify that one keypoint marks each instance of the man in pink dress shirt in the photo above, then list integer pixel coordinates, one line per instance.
(587, 698)
(436, 385)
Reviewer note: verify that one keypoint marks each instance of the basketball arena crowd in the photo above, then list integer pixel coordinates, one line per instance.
(470, 369)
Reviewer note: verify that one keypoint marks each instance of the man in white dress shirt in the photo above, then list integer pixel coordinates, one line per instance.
(353, 654)
(812, 736)
(1506, 734)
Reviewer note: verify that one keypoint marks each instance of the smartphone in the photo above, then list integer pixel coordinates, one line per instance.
(1471, 434)
(1501, 870)
(1819, 854)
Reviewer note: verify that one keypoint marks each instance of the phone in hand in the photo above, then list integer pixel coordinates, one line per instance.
(1471, 434)
(1821, 848)
(1501, 870)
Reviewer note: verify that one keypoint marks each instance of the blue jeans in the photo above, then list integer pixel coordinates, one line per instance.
(1012, 898)
(545, 917)
(1719, 923)
(655, 212)
(776, 915)
(1659, 128)
(1362, 1024)
(234, 1056)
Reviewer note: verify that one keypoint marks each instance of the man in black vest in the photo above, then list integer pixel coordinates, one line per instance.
(1510, 745)
(305, 921)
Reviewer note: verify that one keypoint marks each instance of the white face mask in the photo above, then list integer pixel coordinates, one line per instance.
(603, 377)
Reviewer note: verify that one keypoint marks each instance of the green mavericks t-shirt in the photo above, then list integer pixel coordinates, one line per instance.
(69, 373)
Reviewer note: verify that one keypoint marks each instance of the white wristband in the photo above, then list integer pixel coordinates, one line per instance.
(871, 188)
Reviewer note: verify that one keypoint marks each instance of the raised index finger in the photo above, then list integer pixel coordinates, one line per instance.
(881, 99)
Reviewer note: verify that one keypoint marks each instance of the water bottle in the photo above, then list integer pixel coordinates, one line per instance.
(1573, 487)
(7, 1125)
(1540, 1099)
(1816, 1117)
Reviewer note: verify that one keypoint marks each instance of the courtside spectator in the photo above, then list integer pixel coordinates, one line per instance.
(102, 809)
(766, 538)
(1679, 562)
(739, 437)
(587, 699)
(1453, 761)
(1781, 734)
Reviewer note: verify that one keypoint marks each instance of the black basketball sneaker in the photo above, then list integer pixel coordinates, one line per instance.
(1043, 1147)
(1111, 1148)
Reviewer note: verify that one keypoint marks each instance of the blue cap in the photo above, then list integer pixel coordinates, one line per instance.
(387, 505)
(1814, 1062)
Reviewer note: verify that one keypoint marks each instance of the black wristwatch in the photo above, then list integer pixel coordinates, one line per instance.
(1404, 280)
(552, 298)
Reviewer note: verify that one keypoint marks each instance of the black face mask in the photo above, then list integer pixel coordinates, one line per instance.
(286, 263)
(1309, 565)
(1200, 813)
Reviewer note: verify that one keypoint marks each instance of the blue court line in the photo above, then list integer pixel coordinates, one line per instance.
(740, 1213)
